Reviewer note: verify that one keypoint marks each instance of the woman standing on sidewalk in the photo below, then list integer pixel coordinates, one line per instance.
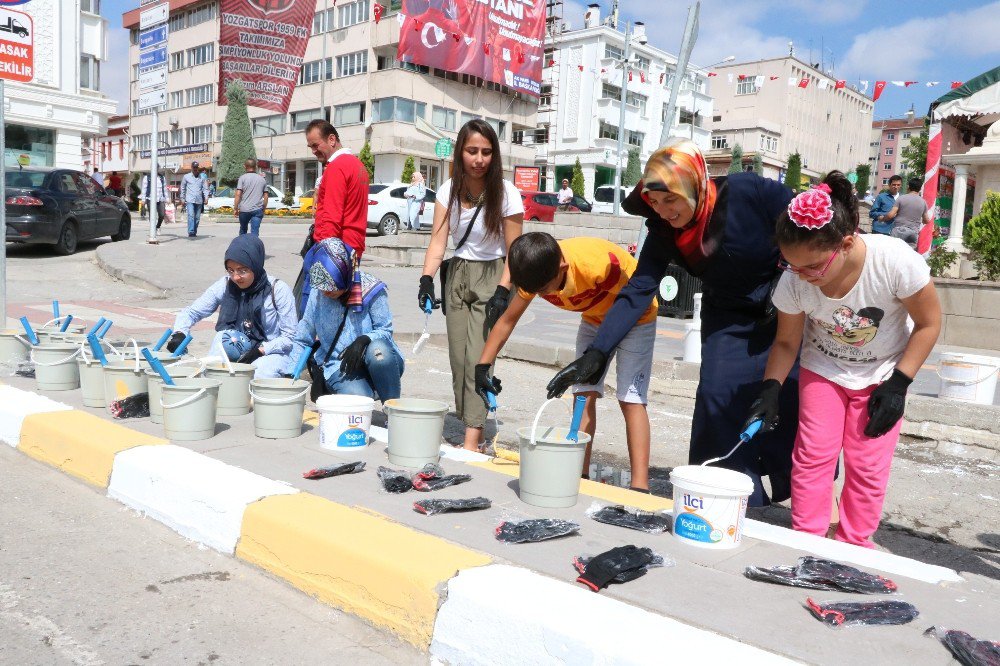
(483, 213)
(415, 194)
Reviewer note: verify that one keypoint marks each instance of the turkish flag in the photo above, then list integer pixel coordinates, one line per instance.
(879, 87)
(741, 76)
(956, 84)
(581, 67)
(840, 84)
(378, 10)
(713, 73)
(774, 78)
(661, 78)
(486, 49)
(551, 62)
(630, 77)
(907, 84)
(803, 82)
(642, 76)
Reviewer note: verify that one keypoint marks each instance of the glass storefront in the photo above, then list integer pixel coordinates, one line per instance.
(29, 146)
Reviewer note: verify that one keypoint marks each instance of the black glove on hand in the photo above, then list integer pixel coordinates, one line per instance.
(886, 404)
(250, 355)
(352, 361)
(765, 407)
(496, 306)
(486, 384)
(585, 370)
(602, 569)
(426, 292)
(175, 341)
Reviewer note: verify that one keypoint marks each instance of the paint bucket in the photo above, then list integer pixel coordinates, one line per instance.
(278, 405)
(122, 380)
(75, 338)
(551, 465)
(91, 380)
(155, 383)
(13, 347)
(55, 366)
(344, 421)
(968, 377)
(710, 504)
(416, 430)
(234, 394)
(189, 408)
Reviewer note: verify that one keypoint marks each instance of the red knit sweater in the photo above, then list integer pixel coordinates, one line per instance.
(342, 202)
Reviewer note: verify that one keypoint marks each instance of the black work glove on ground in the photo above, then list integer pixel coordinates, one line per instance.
(585, 370)
(486, 384)
(765, 407)
(352, 360)
(426, 293)
(886, 404)
(602, 569)
(496, 306)
(175, 341)
(250, 355)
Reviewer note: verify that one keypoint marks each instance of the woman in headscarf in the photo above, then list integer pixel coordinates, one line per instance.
(348, 315)
(720, 230)
(415, 194)
(256, 311)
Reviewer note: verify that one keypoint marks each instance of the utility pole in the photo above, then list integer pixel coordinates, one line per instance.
(621, 118)
(687, 45)
(154, 182)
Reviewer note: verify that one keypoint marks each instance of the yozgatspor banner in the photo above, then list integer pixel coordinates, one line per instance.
(496, 40)
(261, 43)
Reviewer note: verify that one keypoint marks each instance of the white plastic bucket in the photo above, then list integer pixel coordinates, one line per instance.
(55, 366)
(416, 430)
(155, 385)
(122, 380)
(91, 381)
(344, 421)
(551, 465)
(234, 394)
(710, 504)
(189, 408)
(968, 377)
(13, 347)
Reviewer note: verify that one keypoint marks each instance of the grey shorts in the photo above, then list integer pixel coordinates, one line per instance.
(634, 366)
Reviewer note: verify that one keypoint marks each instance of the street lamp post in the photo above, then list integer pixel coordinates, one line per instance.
(621, 117)
(270, 154)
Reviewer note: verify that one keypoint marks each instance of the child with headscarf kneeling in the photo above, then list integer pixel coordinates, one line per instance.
(256, 311)
(348, 315)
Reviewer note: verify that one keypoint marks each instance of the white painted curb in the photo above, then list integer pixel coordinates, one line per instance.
(200, 498)
(15, 405)
(499, 614)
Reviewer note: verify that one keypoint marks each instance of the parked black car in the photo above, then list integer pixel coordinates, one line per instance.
(581, 203)
(61, 207)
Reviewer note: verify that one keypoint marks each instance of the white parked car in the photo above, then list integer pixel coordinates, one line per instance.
(604, 199)
(387, 207)
(226, 196)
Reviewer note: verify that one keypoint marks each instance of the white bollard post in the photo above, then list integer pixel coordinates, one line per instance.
(692, 334)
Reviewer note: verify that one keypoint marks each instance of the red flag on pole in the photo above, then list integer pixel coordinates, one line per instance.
(378, 10)
(661, 77)
(879, 87)
(840, 84)
(956, 84)
(551, 62)
(630, 77)
(774, 78)
(713, 73)
(642, 76)
(907, 84)
(741, 76)
(803, 82)
(580, 67)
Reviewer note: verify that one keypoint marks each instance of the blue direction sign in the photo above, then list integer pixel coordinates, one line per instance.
(153, 58)
(153, 37)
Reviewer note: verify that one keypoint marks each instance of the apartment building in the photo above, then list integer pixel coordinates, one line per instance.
(889, 138)
(350, 76)
(757, 108)
(109, 152)
(51, 120)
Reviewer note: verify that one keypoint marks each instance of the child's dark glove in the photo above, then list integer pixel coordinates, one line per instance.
(603, 568)
(426, 293)
(585, 370)
(486, 384)
(765, 407)
(886, 404)
(496, 306)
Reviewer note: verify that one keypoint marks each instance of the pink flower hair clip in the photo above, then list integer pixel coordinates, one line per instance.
(812, 209)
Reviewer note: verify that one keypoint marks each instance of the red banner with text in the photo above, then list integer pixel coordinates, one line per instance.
(496, 40)
(261, 43)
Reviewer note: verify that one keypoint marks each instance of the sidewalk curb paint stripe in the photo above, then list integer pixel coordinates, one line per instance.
(198, 497)
(15, 405)
(386, 573)
(501, 614)
(80, 444)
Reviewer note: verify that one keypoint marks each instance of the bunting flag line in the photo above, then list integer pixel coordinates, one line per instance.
(956, 84)
(864, 87)
(803, 82)
(823, 84)
(879, 87)
(774, 78)
(713, 73)
(932, 83)
(840, 84)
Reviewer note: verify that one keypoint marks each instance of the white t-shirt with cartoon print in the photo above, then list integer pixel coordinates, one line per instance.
(855, 341)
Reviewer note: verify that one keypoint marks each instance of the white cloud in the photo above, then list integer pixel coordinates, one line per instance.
(823, 11)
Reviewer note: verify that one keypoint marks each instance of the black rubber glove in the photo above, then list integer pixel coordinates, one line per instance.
(250, 355)
(175, 341)
(426, 293)
(496, 306)
(352, 360)
(486, 384)
(765, 407)
(585, 370)
(886, 404)
(604, 567)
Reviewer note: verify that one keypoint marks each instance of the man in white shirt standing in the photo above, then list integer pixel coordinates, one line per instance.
(194, 193)
(159, 197)
(565, 196)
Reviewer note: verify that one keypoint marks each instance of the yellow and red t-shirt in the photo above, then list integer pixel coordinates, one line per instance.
(598, 269)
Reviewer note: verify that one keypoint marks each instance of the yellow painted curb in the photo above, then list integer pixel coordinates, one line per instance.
(310, 417)
(78, 443)
(362, 563)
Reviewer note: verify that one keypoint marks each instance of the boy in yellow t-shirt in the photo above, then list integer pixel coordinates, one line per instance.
(583, 275)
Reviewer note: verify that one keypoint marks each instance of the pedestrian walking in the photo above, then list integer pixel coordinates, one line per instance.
(158, 199)
(115, 184)
(565, 195)
(866, 315)
(415, 195)
(98, 178)
(483, 213)
(251, 198)
(910, 214)
(194, 194)
(883, 205)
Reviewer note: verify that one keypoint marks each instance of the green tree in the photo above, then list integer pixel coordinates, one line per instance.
(736, 160)
(915, 156)
(368, 160)
(758, 164)
(237, 135)
(408, 168)
(982, 237)
(577, 184)
(633, 170)
(793, 173)
(864, 173)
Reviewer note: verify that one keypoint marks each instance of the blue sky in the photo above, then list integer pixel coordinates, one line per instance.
(863, 39)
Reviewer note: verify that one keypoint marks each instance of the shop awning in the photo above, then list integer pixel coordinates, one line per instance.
(977, 96)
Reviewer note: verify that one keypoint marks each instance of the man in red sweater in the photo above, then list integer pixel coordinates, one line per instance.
(342, 195)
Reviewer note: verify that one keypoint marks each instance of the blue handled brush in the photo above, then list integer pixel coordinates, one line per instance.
(579, 403)
(745, 437)
(65, 325)
(95, 348)
(55, 310)
(104, 329)
(97, 326)
(425, 336)
(301, 364)
(30, 332)
(182, 346)
(163, 339)
(491, 398)
(155, 364)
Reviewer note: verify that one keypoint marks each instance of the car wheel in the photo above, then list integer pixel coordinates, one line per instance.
(124, 229)
(67, 239)
(534, 219)
(388, 225)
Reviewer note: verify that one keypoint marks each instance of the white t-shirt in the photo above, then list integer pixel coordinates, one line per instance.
(855, 341)
(479, 246)
(565, 195)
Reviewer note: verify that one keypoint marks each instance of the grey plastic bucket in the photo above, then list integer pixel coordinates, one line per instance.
(551, 465)
(155, 384)
(55, 366)
(91, 381)
(416, 430)
(189, 408)
(75, 338)
(13, 347)
(234, 394)
(278, 405)
(122, 380)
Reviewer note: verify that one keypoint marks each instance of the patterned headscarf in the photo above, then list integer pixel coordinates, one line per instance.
(331, 268)
(680, 168)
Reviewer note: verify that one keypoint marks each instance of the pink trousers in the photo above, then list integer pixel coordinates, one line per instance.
(833, 418)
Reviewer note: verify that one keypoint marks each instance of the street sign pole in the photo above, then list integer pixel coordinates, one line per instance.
(153, 80)
(154, 183)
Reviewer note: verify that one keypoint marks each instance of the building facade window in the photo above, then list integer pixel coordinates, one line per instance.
(201, 14)
(720, 142)
(91, 6)
(90, 72)
(613, 52)
(352, 63)
(302, 118)
(35, 142)
(178, 21)
(349, 114)
(314, 71)
(397, 109)
(353, 13)
(768, 143)
(887, 166)
(323, 22)
(891, 136)
(907, 135)
(199, 134)
(199, 55)
(263, 126)
(176, 100)
(634, 138)
(642, 63)
(140, 142)
(219, 127)
(176, 61)
(747, 86)
(888, 151)
(885, 181)
(201, 95)
(499, 126)
(443, 118)
(545, 99)
(176, 137)
(607, 131)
